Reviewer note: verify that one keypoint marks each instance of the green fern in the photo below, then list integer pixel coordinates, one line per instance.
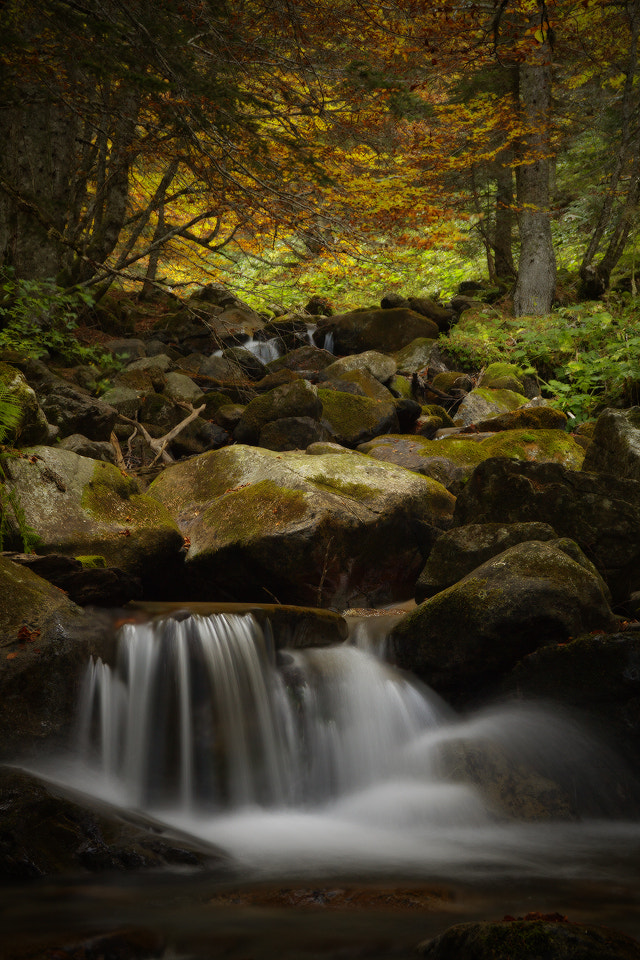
(12, 517)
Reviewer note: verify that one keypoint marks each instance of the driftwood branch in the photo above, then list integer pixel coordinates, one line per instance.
(159, 445)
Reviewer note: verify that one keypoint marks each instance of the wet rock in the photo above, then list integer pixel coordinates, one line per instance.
(541, 937)
(510, 788)
(47, 832)
(45, 642)
(467, 637)
(599, 675)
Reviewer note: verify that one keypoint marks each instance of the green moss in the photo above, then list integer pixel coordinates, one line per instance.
(496, 371)
(345, 488)
(92, 561)
(537, 445)
(433, 410)
(250, 511)
(349, 414)
(509, 399)
(113, 497)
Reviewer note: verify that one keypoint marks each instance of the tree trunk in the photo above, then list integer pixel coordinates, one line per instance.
(535, 287)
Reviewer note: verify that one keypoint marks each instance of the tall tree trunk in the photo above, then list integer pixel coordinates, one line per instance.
(535, 287)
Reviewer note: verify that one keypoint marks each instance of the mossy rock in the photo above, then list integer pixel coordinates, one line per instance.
(483, 402)
(46, 641)
(353, 420)
(458, 552)
(326, 530)
(453, 459)
(371, 361)
(541, 417)
(386, 331)
(502, 376)
(78, 506)
(615, 446)
(370, 386)
(449, 380)
(415, 356)
(296, 399)
(600, 512)
(463, 640)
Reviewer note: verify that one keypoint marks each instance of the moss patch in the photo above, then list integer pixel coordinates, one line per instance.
(92, 561)
(116, 499)
(251, 511)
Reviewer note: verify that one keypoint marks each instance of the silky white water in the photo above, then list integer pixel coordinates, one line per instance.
(330, 762)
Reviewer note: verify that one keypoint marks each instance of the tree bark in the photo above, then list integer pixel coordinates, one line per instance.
(535, 287)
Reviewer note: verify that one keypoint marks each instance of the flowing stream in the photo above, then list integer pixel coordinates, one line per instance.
(361, 814)
(314, 763)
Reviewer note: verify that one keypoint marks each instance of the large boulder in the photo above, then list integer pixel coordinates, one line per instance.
(467, 637)
(79, 507)
(459, 551)
(601, 513)
(451, 460)
(327, 530)
(615, 445)
(383, 330)
(530, 938)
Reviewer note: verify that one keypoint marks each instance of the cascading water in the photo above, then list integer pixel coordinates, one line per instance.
(329, 761)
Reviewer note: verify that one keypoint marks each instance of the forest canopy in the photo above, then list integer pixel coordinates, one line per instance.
(198, 138)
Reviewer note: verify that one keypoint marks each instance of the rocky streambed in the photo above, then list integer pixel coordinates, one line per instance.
(320, 483)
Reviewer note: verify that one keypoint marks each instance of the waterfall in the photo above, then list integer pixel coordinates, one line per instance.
(196, 713)
(326, 761)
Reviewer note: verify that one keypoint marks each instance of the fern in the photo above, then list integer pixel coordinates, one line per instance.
(12, 516)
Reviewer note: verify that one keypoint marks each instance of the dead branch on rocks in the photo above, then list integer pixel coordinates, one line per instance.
(159, 445)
